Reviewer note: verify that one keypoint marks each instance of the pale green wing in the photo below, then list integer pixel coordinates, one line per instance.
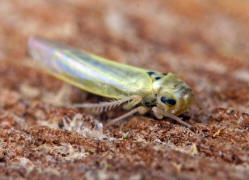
(90, 72)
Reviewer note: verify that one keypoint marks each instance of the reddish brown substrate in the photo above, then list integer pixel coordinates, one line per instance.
(203, 42)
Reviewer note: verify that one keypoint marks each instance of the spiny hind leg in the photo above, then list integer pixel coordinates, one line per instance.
(139, 109)
(106, 106)
(132, 103)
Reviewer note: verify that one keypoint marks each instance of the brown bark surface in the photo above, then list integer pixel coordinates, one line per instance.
(206, 43)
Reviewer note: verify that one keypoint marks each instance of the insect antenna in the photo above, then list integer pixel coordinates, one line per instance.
(174, 117)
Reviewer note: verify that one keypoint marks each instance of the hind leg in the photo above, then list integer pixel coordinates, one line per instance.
(106, 106)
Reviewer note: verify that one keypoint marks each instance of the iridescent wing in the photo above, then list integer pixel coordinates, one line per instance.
(90, 72)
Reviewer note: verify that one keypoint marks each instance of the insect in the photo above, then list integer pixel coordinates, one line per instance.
(138, 90)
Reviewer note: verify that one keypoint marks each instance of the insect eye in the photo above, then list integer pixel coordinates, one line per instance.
(163, 99)
(171, 102)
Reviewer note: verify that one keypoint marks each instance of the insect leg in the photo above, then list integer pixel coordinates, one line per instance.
(106, 106)
(132, 103)
(140, 110)
(158, 112)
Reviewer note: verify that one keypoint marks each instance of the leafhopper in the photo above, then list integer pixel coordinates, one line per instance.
(138, 90)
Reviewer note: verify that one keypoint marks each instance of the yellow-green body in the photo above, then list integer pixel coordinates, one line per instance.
(107, 78)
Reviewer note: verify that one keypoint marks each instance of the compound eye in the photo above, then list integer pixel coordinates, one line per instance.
(171, 102)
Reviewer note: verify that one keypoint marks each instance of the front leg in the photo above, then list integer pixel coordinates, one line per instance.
(159, 113)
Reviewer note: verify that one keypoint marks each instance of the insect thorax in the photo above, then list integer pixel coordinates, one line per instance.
(150, 100)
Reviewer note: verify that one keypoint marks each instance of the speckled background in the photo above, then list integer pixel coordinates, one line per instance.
(203, 42)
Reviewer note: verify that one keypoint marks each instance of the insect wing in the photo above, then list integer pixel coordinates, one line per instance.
(89, 72)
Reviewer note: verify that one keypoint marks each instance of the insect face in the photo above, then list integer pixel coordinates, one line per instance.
(174, 95)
